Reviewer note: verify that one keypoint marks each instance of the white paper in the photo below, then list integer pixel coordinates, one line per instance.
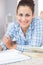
(10, 56)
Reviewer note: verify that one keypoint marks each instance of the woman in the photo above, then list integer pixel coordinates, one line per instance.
(27, 30)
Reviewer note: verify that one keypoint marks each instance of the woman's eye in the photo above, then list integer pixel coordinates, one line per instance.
(20, 14)
(27, 15)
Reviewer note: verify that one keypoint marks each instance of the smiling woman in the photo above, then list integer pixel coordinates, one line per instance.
(26, 30)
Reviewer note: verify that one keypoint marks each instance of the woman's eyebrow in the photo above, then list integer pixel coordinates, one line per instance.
(27, 14)
(21, 14)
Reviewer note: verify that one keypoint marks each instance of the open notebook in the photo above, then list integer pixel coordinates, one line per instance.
(10, 56)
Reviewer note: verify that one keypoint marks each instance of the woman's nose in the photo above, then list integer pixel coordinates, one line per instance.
(23, 18)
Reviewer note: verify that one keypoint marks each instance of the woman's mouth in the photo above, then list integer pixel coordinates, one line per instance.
(24, 22)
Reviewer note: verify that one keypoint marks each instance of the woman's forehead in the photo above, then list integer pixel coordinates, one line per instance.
(24, 8)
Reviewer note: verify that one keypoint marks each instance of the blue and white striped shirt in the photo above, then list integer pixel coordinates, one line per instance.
(34, 34)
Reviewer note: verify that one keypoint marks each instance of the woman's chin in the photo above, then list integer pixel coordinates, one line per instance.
(24, 26)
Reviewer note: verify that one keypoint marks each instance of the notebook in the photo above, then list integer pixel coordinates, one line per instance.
(10, 56)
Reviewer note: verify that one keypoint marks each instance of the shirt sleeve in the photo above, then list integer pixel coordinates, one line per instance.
(42, 33)
(3, 45)
(10, 31)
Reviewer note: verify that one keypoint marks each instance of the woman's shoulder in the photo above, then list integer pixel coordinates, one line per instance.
(12, 27)
(13, 24)
(37, 20)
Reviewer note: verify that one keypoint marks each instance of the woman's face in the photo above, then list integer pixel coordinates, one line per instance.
(24, 16)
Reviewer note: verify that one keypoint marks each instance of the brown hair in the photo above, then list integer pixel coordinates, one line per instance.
(29, 3)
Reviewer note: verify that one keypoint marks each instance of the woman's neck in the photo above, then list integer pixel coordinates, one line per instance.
(24, 31)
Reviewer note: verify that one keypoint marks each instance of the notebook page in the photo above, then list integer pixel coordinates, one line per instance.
(12, 55)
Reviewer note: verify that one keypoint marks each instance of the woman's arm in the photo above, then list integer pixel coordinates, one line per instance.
(8, 43)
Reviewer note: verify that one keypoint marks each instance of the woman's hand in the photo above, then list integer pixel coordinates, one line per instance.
(8, 43)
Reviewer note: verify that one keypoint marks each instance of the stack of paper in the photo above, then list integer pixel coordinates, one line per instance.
(32, 49)
(11, 56)
(36, 49)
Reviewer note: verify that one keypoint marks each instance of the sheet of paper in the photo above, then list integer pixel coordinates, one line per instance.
(11, 56)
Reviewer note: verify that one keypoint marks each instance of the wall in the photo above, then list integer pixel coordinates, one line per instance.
(40, 6)
(2, 17)
(11, 7)
(36, 7)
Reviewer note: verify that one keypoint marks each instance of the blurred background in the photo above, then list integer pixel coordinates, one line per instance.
(8, 12)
